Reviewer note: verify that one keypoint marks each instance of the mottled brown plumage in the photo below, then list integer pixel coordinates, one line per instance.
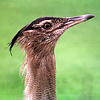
(39, 39)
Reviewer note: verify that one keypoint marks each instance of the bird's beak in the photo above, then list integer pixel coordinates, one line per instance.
(76, 20)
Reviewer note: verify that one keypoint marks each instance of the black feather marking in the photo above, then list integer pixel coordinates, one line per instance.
(11, 44)
(37, 21)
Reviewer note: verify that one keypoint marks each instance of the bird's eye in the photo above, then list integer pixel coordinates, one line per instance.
(47, 26)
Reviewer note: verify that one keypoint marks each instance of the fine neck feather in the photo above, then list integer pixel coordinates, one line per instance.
(40, 77)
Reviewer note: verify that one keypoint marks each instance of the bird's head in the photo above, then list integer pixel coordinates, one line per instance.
(44, 31)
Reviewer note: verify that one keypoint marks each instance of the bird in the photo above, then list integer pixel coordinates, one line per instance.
(38, 39)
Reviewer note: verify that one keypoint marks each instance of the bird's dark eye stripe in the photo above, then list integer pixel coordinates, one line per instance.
(37, 27)
(32, 28)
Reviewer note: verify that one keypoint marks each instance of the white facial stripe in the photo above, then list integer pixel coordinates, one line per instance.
(41, 23)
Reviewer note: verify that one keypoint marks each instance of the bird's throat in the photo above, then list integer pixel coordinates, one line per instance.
(40, 78)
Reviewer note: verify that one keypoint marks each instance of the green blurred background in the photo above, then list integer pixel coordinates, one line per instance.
(77, 52)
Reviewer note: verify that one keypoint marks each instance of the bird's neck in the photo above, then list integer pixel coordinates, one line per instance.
(40, 77)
